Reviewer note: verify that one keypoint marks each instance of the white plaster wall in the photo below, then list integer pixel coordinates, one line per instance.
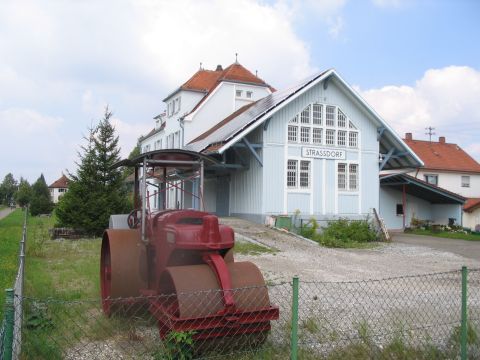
(472, 219)
(221, 103)
(453, 182)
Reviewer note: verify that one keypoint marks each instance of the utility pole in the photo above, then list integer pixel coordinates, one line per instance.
(430, 132)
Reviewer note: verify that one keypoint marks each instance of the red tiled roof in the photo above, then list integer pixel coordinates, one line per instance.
(443, 156)
(60, 183)
(207, 80)
(471, 204)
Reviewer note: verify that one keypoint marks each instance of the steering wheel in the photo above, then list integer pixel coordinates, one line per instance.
(133, 220)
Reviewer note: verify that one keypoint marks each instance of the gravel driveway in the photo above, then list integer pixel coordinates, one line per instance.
(312, 262)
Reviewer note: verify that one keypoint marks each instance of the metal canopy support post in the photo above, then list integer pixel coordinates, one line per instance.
(252, 150)
(386, 158)
(144, 198)
(165, 192)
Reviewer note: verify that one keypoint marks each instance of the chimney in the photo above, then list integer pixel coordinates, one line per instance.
(408, 136)
(441, 139)
(219, 68)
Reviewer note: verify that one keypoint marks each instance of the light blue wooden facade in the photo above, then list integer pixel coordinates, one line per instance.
(262, 190)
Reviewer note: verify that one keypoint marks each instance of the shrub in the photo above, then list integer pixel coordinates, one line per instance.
(340, 233)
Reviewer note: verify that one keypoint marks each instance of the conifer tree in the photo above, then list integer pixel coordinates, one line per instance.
(96, 191)
(41, 202)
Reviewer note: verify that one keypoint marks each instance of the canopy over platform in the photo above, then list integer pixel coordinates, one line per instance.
(421, 189)
(171, 158)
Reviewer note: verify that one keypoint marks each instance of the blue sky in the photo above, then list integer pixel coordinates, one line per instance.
(416, 62)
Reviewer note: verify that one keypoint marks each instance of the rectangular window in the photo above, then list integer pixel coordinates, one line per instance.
(399, 209)
(292, 133)
(353, 177)
(342, 176)
(341, 119)
(329, 137)
(249, 94)
(305, 135)
(177, 140)
(431, 179)
(330, 116)
(238, 93)
(347, 177)
(160, 145)
(317, 114)
(305, 115)
(353, 139)
(317, 136)
(342, 138)
(465, 181)
(292, 169)
(177, 105)
(304, 174)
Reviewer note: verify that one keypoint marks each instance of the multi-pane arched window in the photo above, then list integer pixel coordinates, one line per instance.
(320, 124)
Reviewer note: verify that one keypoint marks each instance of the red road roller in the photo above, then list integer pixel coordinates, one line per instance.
(180, 262)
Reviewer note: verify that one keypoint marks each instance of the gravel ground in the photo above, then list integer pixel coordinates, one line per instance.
(316, 263)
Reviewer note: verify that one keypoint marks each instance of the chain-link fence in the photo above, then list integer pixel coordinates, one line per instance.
(11, 330)
(420, 317)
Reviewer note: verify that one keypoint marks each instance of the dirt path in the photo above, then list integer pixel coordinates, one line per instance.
(5, 212)
(314, 262)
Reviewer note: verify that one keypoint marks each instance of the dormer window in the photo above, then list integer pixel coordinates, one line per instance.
(238, 93)
(249, 94)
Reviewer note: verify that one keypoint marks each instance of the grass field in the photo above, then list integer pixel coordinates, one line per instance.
(447, 234)
(10, 236)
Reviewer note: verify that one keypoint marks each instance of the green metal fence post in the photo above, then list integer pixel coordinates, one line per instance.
(463, 329)
(294, 338)
(9, 324)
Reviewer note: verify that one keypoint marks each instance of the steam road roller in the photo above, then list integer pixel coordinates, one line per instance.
(179, 262)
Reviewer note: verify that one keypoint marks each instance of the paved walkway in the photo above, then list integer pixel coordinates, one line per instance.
(5, 212)
(468, 249)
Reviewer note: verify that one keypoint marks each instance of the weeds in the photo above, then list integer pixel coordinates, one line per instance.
(248, 248)
(340, 233)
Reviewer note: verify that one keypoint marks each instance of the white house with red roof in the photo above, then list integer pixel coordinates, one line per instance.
(58, 188)
(448, 166)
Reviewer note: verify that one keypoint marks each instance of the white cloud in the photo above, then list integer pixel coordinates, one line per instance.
(125, 131)
(72, 58)
(336, 26)
(389, 3)
(445, 98)
(32, 143)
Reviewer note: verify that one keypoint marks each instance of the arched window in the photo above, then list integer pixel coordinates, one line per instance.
(320, 124)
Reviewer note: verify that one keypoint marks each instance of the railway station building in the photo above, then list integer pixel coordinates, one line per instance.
(315, 149)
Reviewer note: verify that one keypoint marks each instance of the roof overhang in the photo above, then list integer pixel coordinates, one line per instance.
(421, 189)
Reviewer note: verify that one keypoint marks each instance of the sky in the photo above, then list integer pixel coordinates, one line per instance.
(61, 62)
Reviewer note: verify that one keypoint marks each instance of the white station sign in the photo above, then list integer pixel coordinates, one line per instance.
(321, 153)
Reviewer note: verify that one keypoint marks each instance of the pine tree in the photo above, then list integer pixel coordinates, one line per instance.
(24, 193)
(96, 191)
(41, 202)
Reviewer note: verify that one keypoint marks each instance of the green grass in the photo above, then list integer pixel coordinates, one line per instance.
(248, 248)
(64, 270)
(447, 234)
(10, 236)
